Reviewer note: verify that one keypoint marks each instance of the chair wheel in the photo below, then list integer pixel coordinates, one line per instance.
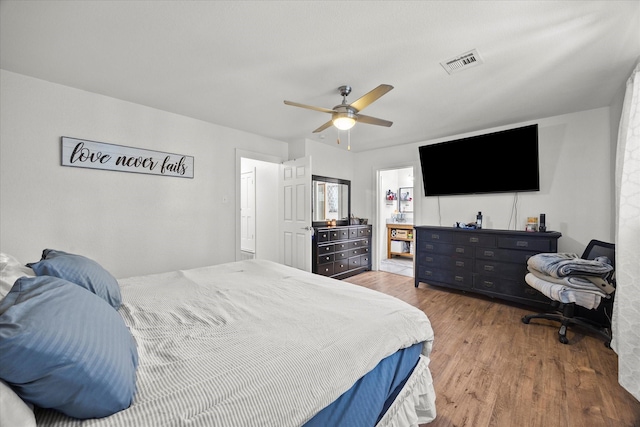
(525, 320)
(563, 339)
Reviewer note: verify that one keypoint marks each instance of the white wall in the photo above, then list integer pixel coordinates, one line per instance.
(139, 224)
(130, 223)
(576, 175)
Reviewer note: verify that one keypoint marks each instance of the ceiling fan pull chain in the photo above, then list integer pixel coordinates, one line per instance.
(349, 140)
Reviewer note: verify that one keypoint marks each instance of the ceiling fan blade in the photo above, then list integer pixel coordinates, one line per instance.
(360, 103)
(310, 107)
(323, 127)
(373, 121)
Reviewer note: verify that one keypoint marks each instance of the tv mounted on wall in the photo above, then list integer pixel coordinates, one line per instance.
(498, 162)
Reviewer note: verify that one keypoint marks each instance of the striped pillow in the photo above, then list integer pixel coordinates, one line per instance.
(62, 347)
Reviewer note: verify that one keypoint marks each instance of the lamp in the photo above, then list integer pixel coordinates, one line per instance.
(344, 120)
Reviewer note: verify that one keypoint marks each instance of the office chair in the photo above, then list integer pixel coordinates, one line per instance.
(565, 312)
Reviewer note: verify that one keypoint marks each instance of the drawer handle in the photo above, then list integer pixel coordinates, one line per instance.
(488, 253)
(327, 258)
(487, 283)
(435, 236)
(427, 273)
(356, 243)
(488, 267)
(343, 255)
(429, 246)
(428, 259)
(459, 263)
(473, 239)
(460, 250)
(522, 243)
(459, 279)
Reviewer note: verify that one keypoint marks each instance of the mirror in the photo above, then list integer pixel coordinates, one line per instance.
(331, 199)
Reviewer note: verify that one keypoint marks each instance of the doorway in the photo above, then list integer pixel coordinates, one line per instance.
(395, 207)
(257, 218)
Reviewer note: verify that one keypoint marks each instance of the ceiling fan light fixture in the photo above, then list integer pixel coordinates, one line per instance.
(344, 121)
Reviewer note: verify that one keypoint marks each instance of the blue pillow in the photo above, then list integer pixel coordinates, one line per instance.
(80, 270)
(64, 348)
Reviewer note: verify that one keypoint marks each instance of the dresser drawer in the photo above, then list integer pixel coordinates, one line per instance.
(325, 249)
(340, 266)
(474, 239)
(342, 255)
(360, 232)
(505, 255)
(525, 243)
(361, 243)
(450, 249)
(436, 236)
(365, 260)
(507, 287)
(462, 279)
(322, 259)
(492, 268)
(433, 260)
(326, 269)
(354, 262)
(322, 235)
(339, 234)
(357, 251)
(342, 246)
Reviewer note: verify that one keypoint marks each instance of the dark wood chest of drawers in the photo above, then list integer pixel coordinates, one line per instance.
(342, 251)
(489, 262)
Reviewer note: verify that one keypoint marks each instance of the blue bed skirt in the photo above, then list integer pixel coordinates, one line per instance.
(366, 402)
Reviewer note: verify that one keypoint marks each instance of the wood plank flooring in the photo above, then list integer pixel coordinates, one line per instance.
(491, 370)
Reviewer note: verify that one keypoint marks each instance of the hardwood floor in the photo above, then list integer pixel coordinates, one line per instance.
(490, 369)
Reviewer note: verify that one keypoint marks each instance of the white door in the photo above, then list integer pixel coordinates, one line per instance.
(248, 211)
(295, 224)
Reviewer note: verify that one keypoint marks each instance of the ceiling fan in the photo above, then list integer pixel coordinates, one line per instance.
(344, 115)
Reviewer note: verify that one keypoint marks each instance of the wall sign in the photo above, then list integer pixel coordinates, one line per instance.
(81, 153)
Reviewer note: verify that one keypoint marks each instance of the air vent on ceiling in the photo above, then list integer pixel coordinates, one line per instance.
(462, 62)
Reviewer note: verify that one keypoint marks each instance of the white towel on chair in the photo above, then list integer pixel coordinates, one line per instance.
(576, 282)
(565, 294)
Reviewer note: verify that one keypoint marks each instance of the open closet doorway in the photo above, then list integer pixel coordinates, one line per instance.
(395, 212)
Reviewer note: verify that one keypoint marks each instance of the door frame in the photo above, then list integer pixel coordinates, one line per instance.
(381, 235)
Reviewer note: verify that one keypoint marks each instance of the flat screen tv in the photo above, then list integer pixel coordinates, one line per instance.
(499, 162)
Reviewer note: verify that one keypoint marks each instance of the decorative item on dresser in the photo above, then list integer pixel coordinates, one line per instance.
(488, 262)
(342, 251)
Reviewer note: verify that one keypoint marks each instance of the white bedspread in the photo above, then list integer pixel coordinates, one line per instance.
(253, 343)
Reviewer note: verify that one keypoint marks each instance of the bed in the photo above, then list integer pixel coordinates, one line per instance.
(255, 343)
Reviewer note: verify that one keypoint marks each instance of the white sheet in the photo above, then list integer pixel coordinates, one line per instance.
(255, 343)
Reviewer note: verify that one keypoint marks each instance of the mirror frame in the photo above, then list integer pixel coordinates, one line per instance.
(334, 181)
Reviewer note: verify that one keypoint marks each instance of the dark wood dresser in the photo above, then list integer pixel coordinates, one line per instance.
(488, 262)
(342, 251)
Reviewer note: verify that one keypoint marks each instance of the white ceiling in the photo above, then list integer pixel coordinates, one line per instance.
(233, 63)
